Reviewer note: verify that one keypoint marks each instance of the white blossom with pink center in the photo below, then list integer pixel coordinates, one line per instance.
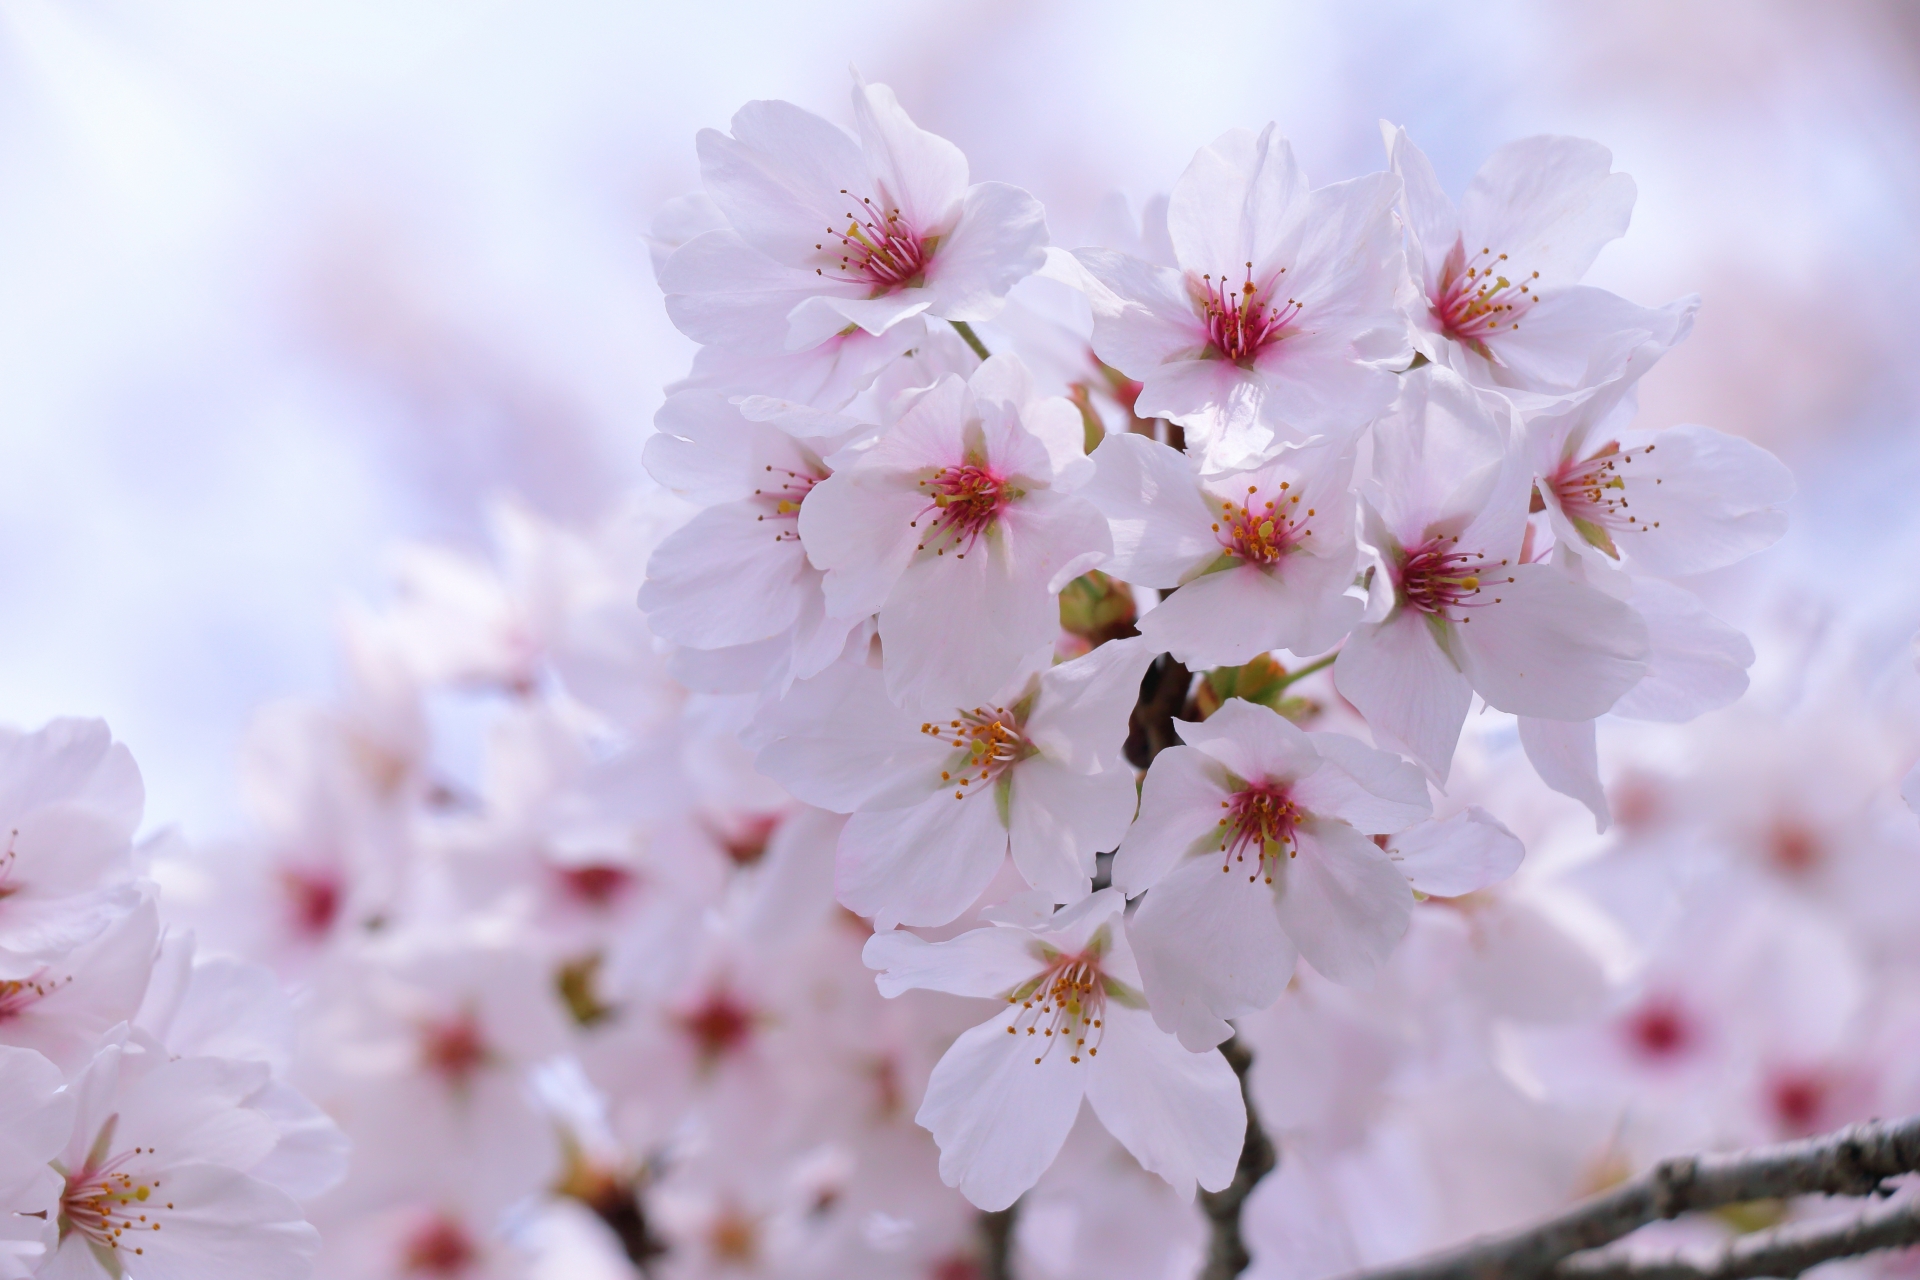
(1073, 1025)
(1254, 560)
(1254, 844)
(1446, 510)
(1279, 321)
(958, 527)
(830, 236)
(1501, 301)
(938, 805)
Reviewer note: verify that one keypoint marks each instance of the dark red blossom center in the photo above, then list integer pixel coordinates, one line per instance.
(1481, 296)
(454, 1048)
(595, 884)
(1242, 318)
(719, 1025)
(438, 1247)
(313, 899)
(1259, 820)
(877, 246)
(1660, 1030)
(963, 503)
(1437, 578)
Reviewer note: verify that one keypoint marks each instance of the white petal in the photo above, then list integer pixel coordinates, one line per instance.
(1080, 719)
(1210, 947)
(1000, 240)
(1372, 791)
(1059, 820)
(1406, 686)
(1697, 664)
(1342, 901)
(1457, 855)
(922, 865)
(836, 741)
(998, 1116)
(1162, 527)
(980, 962)
(1142, 315)
(1180, 1114)
(1235, 196)
(1550, 203)
(1706, 499)
(1180, 810)
(1565, 756)
(779, 179)
(727, 577)
(1551, 647)
(1257, 743)
(920, 173)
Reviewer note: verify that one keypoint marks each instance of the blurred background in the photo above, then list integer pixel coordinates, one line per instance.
(283, 285)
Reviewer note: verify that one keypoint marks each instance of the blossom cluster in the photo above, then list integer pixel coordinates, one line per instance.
(147, 1122)
(1047, 665)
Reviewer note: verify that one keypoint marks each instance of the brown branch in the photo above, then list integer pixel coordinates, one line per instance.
(1227, 1253)
(996, 1242)
(1783, 1252)
(1855, 1161)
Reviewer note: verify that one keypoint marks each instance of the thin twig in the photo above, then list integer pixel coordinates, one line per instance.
(1782, 1252)
(1855, 1161)
(996, 1242)
(1227, 1253)
(965, 330)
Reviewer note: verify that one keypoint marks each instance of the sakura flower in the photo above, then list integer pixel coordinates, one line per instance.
(156, 1169)
(70, 798)
(35, 1120)
(959, 527)
(738, 573)
(939, 804)
(1003, 1099)
(1286, 815)
(1502, 303)
(63, 1007)
(1446, 509)
(1279, 321)
(1669, 503)
(829, 233)
(1261, 558)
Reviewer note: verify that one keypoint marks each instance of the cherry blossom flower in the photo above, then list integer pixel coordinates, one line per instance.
(64, 1007)
(1499, 274)
(1261, 559)
(70, 798)
(36, 1118)
(829, 233)
(1075, 1026)
(958, 527)
(1670, 503)
(1286, 815)
(939, 804)
(156, 1170)
(1446, 509)
(738, 573)
(1280, 320)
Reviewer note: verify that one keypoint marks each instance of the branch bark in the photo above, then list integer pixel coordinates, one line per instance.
(1227, 1253)
(1856, 1161)
(1782, 1252)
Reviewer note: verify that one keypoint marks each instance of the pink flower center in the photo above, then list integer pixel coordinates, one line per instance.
(1793, 847)
(313, 899)
(988, 742)
(439, 1246)
(1261, 532)
(1437, 579)
(454, 1048)
(878, 248)
(1261, 820)
(964, 501)
(1593, 492)
(1243, 318)
(719, 1025)
(596, 884)
(109, 1207)
(1660, 1030)
(782, 495)
(1066, 1004)
(17, 995)
(744, 837)
(1477, 301)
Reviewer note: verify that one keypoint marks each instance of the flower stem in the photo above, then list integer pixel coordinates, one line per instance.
(965, 330)
(1318, 664)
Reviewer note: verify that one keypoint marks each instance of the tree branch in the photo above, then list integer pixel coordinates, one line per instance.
(1227, 1253)
(996, 1242)
(1855, 1161)
(1783, 1252)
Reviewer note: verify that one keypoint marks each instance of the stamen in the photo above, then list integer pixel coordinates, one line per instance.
(1261, 820)
(1066, 1004)
(1258, 532)
(877, 248)
(964, 502)
(1480, 297)
(1242, 319)
(782, 495)
(1437, 580)
(1593, 493)
(988, 743)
